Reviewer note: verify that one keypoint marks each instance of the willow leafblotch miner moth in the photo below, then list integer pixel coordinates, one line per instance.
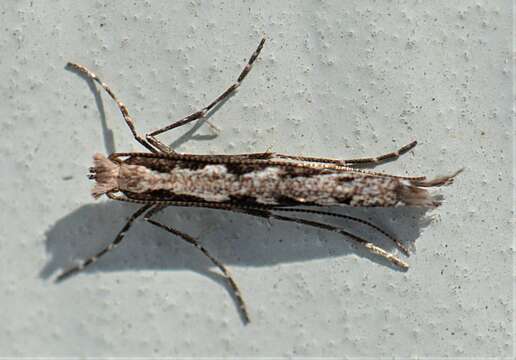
(268, 185)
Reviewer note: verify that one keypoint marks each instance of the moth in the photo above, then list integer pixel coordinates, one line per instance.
(267, 184)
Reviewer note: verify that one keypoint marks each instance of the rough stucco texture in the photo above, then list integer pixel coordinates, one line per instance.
(336, 78)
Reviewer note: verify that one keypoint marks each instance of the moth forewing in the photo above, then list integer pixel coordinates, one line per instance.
(210, 178)
(259, 184)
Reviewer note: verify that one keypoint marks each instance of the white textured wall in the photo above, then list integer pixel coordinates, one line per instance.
(336, 78)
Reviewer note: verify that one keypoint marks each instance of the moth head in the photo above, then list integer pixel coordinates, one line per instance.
(105, 173)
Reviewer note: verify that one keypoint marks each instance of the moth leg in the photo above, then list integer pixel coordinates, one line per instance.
(108, 248)
(253, 156)
(123, 109)
(151, 137)
(372, 161)
(377, 173)
(189, 239)
(368, 245)
(382, 158)
(402, 247)
(266, 212)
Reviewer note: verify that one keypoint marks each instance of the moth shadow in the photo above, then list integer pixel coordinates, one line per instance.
(234, 239)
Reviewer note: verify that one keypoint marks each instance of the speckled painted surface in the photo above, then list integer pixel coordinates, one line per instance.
(336, 78)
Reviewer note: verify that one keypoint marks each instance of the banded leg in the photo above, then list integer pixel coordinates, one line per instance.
(368, 245)
(252, 156)
(192, 241)
(402, 247)
(108, 248)
(350, 162)
(266, 212)
(151, 137)
(123, 109)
